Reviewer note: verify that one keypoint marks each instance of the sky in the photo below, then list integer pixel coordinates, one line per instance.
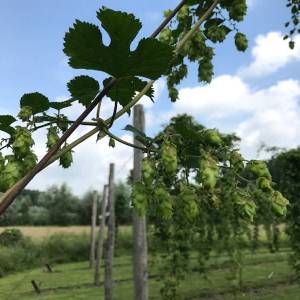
(254, 94)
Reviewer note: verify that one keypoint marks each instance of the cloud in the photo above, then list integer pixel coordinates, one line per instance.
(90, 167)
(270, 54)
(270, 115)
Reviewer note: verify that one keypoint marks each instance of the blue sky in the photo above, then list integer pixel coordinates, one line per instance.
(255, 94)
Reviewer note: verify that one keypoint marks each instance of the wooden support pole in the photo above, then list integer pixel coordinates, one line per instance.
(93, 230)
(108, 280)
(102, 219)
(35, 287)
(140, 259)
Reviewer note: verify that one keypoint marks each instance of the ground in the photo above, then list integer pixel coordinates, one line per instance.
(266, 276)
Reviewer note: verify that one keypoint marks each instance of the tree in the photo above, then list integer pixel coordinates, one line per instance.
(284, 168)
(61, 204)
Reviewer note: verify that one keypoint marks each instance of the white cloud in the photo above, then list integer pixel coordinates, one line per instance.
(270, 115)
(270, 54)
(90, 167)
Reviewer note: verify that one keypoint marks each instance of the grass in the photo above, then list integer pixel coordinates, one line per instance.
(41, 232)
(267, 276)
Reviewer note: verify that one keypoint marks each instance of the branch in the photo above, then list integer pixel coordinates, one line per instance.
(132, 103)
(105, 130)
(10, 195)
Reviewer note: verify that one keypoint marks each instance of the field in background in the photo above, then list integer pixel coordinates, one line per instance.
(40, 232)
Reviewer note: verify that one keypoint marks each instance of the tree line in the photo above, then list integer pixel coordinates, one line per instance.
(59, 206)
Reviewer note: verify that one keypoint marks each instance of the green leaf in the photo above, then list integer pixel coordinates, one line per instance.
(84, 89)
(125, 89)
(7, 119)
(36, 101)
(62, 104)
(84, 46)
(7, 129)
(139, 135)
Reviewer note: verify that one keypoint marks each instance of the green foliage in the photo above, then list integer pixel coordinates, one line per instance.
(198, 49)
(202, 195)
(284, 168)
(84, 46)
(66, 159)
(10, 237)
(36, 101)
(293, 23)
(84, 89)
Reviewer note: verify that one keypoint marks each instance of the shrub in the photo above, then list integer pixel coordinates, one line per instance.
(10, 237)
(61, 247)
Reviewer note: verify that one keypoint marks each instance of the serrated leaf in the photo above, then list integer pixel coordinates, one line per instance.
(36, 101)
(7, 129)
(84, 89)
(62, 104)
(125, 89)
(7, 119)
(84, 46)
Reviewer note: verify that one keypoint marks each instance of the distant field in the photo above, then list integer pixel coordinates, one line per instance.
(39, 232)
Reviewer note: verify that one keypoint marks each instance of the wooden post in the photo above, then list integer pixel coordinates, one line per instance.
(108, 280)
(102, 218)
(93, 230)
(140, 260)
(35, 286)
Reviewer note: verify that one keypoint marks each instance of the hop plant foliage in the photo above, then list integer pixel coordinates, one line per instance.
(198, 185)
(216, 28)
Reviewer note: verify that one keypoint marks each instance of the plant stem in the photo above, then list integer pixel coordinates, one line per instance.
(138, 96)
(9, 196)
(126, 143)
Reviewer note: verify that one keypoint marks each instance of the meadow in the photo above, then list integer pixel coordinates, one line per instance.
(265, 275)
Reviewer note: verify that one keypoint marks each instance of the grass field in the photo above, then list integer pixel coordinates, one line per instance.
(39, 232)
(266, 276)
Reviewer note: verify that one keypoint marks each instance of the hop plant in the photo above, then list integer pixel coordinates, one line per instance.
(258, 169)
(264, 184)
(241, 42)
(139, 198)
(52, 137)
(169, 158)
(188, 199)
(236, 160)
(213, 137)
(25, 113)
(279, 203)
(29, 162)
(148, 171)
(11, 173)
(22, 142)
(66, 159)
(163, 199)
(209, 172)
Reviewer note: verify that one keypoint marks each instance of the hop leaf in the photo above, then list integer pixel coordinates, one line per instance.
(84, 89)
(84, 46)
(36, 101)
(125, 89)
